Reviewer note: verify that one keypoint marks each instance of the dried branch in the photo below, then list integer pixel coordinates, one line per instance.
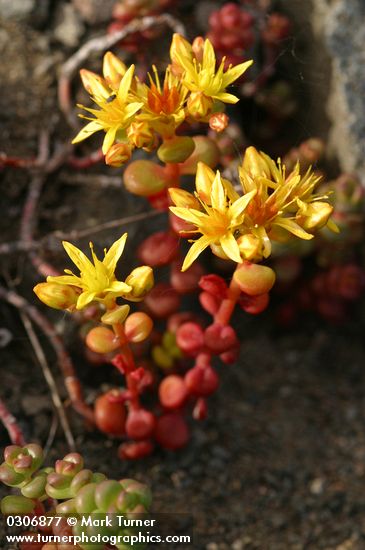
(39, 353)
(71, 380)
(75, 234)
(100, 44)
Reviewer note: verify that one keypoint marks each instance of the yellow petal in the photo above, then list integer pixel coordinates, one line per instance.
(226, 98)
(230, 247)
(84, 299)
(203, 181)
(188, 214)
(217, 194)
(182, 198)
(125, 85)
(87, 131)
(235, 72)
(71, 280)
(208, 56)
(114, 253)
(109, 139)
(196, 249)
(118, 287)
(78, 257)
(113, 69)
(239, 206)
(293, 228)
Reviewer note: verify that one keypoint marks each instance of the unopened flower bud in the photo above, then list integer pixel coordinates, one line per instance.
(141, 135)
(176, 149)
(56, 295)
(218, 122)
(118, 154)
(198, 48)
(138, 327)
(200, 411)
(250, 247)
(314, 215)
(254, 279)
(141, 280)
(102, 340)
(255, 163)
(172, 392)
(199, 105)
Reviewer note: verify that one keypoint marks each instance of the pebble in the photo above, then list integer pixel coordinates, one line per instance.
(25, 11)
(94, 12)
(69, 27)
(316, 486)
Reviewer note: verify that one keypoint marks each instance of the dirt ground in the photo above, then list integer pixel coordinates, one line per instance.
(280, 462)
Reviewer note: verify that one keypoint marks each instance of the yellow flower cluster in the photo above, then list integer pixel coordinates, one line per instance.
(96, 282)
(135, 114)
(273, 206)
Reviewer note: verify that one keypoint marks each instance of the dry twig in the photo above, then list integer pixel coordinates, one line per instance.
(71, 380)
(100, 44)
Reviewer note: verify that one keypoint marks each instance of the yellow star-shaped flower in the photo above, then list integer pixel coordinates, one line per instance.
(217, 221)
(97, 280)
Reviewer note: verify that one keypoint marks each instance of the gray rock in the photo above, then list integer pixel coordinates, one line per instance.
(342, 23)
(18, 10)
(68, 27)
(34, 12)
(94, 12)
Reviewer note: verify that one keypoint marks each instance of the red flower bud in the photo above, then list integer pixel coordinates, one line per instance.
(158, 249)
(162, 301)
(190, 338)
(187, 281)
(254, 304)
(172, 431)
(220, 338)
(110, 416)
(201, 381)
(172, 392)
(135, 449)
(140, 424)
